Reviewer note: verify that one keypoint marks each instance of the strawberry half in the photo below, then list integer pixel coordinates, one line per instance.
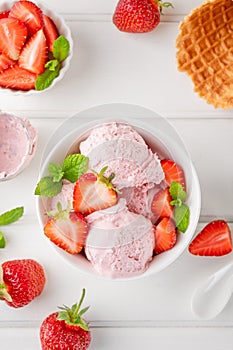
(68, 230)
(28, 13)
(160, 205)
(13, 35)
(21, 281)
(165, 235)
(17, 78)
(93, 192)
(50, 31)
(213, 240)
(34, 55)
(5, 62)
(173, 172)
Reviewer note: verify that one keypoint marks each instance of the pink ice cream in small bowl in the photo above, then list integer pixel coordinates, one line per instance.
(18, 141)
(123, 237)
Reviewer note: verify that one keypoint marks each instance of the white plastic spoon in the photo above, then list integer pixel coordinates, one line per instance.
(210, 298)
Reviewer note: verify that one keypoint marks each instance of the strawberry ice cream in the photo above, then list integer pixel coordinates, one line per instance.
(125, 153)
(119, 243)
(17, 145)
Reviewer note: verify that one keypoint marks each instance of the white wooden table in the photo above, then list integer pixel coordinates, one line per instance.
(110, 66)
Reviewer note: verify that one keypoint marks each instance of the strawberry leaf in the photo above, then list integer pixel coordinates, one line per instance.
(74, 166)
(177, 192)
(61, 48)
(56, 171)
(52, 64)
(11, 216)
(46, 187)
(45, 79)
(2, 240)
(181, 216)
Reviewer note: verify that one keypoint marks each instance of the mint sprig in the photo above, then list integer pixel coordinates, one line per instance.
(8, 218)
(181, 210)
(73, 166)
(61, 48)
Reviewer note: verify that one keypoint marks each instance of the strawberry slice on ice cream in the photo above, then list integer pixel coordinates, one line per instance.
(213, 240)
(68, 230)
(165, 235)
(173, 172)
(160, 205)
(94, 192)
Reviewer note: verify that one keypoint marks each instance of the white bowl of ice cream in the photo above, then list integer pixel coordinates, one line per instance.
(17, 145)
(62, 29)
(120, 240)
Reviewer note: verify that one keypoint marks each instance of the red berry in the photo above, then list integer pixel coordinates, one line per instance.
(93, 192)
(161, 206)
(28, 13)
(66, 330)
(173, 172)
(67, 230)
(34, 54)
(213, 240)
(5, 62)
(17, 78)
(165, 235)
(50, 31)
(21, 281)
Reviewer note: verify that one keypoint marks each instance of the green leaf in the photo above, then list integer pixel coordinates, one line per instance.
(63, 316)
(2, 240)
(83, 310)
(177, 192)
(181, 216)
(11, 216)
(52, 65)
(46, 187)
(61, 48)
(45, 79)
(74, 166)
(56, 171)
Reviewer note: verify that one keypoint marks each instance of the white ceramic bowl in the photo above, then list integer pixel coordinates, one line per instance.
(62, 28)
(153, 128)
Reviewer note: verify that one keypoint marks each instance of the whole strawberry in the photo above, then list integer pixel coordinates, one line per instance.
(138, 16)
(66, 330)
(21, 281)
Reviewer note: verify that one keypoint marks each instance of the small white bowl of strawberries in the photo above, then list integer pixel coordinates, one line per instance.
(35, 47)
(116, 197)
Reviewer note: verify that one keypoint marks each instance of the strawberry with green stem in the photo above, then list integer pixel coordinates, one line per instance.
(138, 16)
(66, 330)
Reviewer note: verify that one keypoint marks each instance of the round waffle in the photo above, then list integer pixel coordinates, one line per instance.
(205, 51)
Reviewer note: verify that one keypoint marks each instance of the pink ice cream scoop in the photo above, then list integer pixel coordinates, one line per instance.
(17, 145)
(126, 154)
(119, 243)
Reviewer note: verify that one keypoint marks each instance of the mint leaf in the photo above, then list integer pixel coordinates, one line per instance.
(56, 171)
(2, 240)
(44, 80)
(177, 192)
(46, 187)
(74, 166)
(61, 48)
(11, 216)
(181, 216)
(52, 64)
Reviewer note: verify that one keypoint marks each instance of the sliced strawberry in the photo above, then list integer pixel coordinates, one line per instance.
(17, 78)
(5, 62)
(13, 35)
(67, 230)
(28, 13)
(50, 31)
(4, 14)
(213, 240)
(34, 55)
(173, 172)
(92, 192)
(165, 235)
(160, 205)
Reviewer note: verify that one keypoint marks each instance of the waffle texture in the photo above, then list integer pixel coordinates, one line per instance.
(205, 51)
